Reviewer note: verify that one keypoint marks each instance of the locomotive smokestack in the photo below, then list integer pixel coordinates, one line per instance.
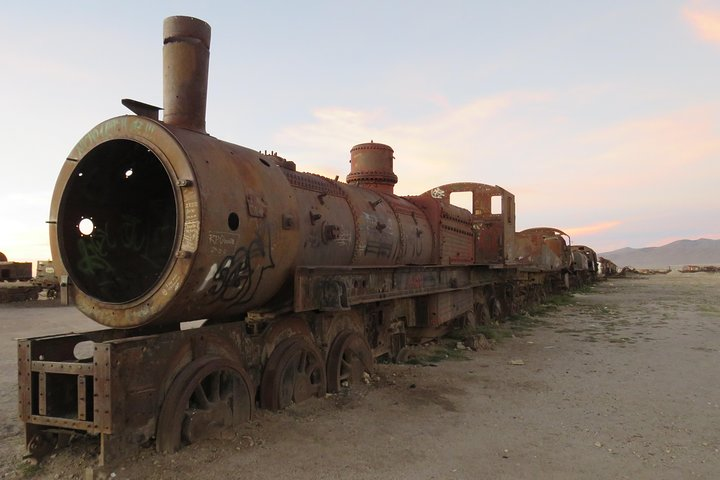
(371, 166)
(186, 57)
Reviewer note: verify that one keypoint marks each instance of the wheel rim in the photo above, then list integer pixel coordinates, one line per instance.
(209, 396)
(349, 360)
(294, 372)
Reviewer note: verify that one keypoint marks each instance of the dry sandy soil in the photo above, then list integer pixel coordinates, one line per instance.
(621, 383)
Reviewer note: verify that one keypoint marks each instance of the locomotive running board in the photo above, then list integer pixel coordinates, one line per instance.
(338, 288)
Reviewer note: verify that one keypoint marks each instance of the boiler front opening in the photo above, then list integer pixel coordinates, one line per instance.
(117, 221)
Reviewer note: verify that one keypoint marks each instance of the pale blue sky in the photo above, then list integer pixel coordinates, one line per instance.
(603, 118)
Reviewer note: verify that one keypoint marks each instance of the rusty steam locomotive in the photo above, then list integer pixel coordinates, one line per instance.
(302, 281)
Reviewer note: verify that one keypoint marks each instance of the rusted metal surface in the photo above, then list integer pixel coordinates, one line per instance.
(441, 308)
(606, 267)
(15, 271)
(176, 251)
(211, 395)
(186, 60)
(585, 265)
(46, 277)
(349, 361)
(339, 288)
(584, 259)
(16, 283)
(294, 372)
(117, 391)
(542, 248)
(18, 291)
(62, 396)
(200, 256)
(371, 167)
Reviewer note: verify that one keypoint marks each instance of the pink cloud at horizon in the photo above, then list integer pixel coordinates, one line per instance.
(592, 229)
(704, 21)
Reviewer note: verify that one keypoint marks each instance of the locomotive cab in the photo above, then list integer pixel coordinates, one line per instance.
(483, 236)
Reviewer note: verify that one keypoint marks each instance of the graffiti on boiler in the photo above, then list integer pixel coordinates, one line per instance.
(239, 275)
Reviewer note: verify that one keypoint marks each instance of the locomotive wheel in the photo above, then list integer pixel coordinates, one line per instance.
(294, 372)
(209, 396)
(348, 361)
(41, 444)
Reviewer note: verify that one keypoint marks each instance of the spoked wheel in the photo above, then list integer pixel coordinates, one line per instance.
(294, 372)
(209, 396)
(41, 444)
(348, 361)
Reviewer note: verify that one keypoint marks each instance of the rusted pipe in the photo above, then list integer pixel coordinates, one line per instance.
(186, 58)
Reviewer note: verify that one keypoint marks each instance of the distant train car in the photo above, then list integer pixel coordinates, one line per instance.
(15, 271)
(585, 264)
(46, 278)
(606, 267)
(15, 281)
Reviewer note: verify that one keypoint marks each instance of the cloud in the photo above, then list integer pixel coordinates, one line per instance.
(664, 162)
(432, 150)
(592, 229)
(704, 21)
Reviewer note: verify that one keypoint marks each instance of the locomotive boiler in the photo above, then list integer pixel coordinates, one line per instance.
(302, 281)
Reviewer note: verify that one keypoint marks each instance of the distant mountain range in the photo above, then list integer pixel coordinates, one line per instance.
(681, 252)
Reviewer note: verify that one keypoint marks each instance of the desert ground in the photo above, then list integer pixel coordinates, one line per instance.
(619, 381)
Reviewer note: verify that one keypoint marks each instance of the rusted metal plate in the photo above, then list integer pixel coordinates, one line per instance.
(332, 289)
(24, 380)
(42, 393)
(443, 307)
(103, 389)
(62, 423)
(66, 368)
(81, 397)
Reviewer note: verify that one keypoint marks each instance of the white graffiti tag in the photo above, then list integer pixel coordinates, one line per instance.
(437, 193)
